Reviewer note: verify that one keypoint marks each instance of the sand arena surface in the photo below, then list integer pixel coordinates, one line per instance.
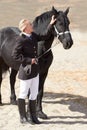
(65, 96)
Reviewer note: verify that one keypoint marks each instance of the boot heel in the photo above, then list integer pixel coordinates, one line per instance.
(33, 117)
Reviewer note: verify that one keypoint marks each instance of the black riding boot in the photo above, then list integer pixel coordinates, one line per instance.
(22, 110)
(28, 112)
(33, 117)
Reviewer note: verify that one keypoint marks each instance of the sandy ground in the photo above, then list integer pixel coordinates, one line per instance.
(65, 96)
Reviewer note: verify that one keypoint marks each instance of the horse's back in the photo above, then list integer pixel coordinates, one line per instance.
(7, 34)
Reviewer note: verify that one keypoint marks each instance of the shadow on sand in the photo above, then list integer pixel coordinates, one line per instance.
(76, 103)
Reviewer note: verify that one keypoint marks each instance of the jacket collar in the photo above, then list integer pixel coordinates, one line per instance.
(25, 35)
(28, 35)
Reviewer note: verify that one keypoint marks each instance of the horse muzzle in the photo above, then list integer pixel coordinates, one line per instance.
(67, 44)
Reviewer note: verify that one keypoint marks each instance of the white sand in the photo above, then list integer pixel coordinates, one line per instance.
(65, 96)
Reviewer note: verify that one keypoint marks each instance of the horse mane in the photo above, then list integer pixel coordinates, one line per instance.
(46, 16)
(41, 18)
(40, 22)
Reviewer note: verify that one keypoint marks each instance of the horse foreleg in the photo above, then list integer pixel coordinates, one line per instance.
(12, 85)
(40, 112)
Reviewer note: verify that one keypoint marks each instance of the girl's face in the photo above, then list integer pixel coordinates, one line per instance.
(29, 28)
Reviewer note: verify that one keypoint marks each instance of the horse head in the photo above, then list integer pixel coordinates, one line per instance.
(61, 28)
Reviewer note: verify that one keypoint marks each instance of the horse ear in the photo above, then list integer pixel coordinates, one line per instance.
(67, 11)
(54, 10)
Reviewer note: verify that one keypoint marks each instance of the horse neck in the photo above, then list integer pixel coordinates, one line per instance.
(40, 28)
(41, 23)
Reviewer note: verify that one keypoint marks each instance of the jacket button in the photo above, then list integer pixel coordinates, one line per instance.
(35, 52)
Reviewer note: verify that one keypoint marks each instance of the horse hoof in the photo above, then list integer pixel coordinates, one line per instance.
(1, 104)
(42, 115)
(13, 102)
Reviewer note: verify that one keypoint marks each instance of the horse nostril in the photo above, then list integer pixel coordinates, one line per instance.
(70, 43)
(67, 45)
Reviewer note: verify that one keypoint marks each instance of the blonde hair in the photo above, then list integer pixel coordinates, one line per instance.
(23, 24)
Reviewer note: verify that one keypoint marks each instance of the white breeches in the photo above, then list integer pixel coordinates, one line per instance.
(31, 84)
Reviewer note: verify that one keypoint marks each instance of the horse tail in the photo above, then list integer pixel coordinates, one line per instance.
(3, 66)
(1, 39)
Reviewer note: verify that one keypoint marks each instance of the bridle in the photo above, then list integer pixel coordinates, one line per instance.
(59, 33)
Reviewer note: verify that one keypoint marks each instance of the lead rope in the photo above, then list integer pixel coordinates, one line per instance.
(48, 49)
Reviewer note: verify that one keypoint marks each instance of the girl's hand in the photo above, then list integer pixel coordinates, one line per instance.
(33, 61)
(53, 20)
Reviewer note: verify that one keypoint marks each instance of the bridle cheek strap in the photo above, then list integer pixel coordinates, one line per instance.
(60, 33)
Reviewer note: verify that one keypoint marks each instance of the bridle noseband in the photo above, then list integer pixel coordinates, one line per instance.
(59, 33)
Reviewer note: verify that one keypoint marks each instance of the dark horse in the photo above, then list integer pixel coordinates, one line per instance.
(8, 36)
